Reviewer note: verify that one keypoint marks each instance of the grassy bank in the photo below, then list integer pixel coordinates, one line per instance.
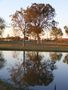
(6, 86)
(31, 46)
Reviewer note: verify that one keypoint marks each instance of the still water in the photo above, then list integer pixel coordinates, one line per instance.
(35, 70)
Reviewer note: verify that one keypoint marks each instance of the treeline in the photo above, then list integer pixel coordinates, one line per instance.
(11, 38)
(34, 22)
(17, 38)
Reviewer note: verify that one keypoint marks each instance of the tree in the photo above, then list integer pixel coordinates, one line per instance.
(18, 22)
(56, 32)
(38, 17)
(34, 19)
(66, 29)
(2, 26)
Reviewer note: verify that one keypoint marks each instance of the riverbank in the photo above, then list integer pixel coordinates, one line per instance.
(30, 46)
(6, 86)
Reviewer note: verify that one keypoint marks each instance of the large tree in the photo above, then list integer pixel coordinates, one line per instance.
(2, 26)
(34, 19)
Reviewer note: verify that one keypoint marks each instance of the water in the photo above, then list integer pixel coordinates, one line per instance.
(35, 70)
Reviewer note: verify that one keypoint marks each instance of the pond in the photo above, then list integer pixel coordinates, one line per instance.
(35, 70)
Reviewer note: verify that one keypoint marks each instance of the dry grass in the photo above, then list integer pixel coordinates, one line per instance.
(32, 46)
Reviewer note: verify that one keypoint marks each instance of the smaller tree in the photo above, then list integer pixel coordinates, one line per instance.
(66, 29)
(2, 26)
(56, 32)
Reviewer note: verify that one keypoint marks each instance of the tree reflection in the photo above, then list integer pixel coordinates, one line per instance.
(55, 87)
(15, 54)
(36, 72)
(55, 56)
(66, 59)
(2, 60)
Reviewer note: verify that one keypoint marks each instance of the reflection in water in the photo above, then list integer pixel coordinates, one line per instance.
(35, 70)
(55, 56)
(66, 59)
(55, 87)
(32, 71)
(2, 60)
(16, 54)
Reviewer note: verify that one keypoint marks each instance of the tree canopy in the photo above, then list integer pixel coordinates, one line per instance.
(66, 29)
(34, 19)
(2, 25)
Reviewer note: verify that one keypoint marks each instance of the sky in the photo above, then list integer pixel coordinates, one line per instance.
(8, 7)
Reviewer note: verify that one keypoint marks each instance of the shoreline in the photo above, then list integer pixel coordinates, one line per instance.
(47, 46)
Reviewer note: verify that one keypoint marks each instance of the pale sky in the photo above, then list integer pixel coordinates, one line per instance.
(8, 7)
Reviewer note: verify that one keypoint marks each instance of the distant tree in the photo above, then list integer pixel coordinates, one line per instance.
(66, 29)
(56, 32)
(2, 26)
(34, 19)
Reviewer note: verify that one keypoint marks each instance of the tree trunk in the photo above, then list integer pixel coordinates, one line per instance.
(38, 39)
(56, 37)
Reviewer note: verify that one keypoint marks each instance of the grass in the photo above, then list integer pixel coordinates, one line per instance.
(6, 86)
(32, 46)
